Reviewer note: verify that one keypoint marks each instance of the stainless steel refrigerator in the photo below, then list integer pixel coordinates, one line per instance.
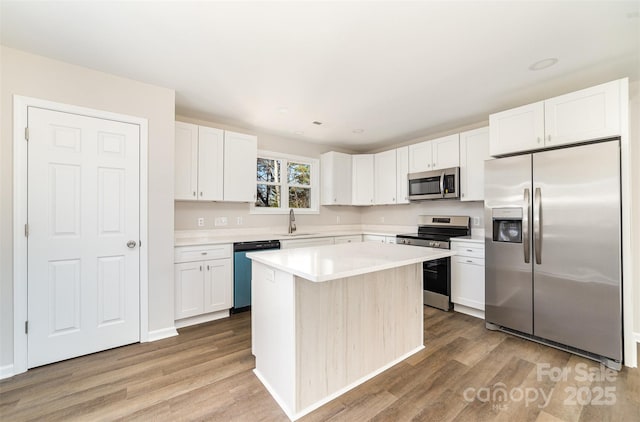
(553, 248)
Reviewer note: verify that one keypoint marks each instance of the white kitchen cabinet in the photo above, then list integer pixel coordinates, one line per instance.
(347, 239)
(588, 114)
(591, 113)
(303, 243)
(240, 156)
(203, 280)
(362, 179)
(402, 170)
(385, 177)
(474, 150)
(467, 277)
(198, 162)
(373, 238)
(335, 173)
(435, 154)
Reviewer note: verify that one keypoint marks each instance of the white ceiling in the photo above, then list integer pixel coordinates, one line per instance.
(395, 70)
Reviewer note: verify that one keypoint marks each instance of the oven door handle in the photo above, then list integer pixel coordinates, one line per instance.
(525, 227)
(442, 184)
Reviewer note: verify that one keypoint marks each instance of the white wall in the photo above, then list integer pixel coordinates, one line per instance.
(35, 76)
(187, 213)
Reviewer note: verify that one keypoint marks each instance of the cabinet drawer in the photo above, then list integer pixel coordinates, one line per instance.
(468, 260)
(475, 250)
(348, 239)
(202, 253)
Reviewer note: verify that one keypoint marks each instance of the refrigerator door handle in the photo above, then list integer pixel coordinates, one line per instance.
(537, 226)
(525, 227)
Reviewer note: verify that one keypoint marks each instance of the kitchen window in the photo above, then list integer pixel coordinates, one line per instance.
(285, 181)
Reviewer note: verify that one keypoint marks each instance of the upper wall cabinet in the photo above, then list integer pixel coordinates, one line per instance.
(335, 173)
(362, 179)
(474, 150)
(584, 115)
(434, 154)
(198, 167)
(240, 155)
(402, 170)
(385, 177)
(214, 165)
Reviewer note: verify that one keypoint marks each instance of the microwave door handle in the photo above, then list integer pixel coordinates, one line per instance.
(442, 184)
(537, 226)
(525, 227)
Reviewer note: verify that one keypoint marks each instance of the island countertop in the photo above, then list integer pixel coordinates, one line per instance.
(331, 262)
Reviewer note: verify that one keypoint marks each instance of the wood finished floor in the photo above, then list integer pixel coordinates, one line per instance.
(205, 373)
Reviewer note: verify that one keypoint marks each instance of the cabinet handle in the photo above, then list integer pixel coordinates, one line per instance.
(469, 261)
(462, 195)
(194, 193)
(200, 193)
(548, 138)
(203, 253)
(207, 268)
(200, 267)
(539, 140)
(469, 250)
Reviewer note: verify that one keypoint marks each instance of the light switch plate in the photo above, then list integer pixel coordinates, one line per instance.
(221, 221)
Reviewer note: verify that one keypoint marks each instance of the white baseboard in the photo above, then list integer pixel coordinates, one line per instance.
(468, 311)
(6, 371)
(162, 334)
(199, 319)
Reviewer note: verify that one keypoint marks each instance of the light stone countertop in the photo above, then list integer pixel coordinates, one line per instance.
(474, 238)
(215, 237)
(330, 262)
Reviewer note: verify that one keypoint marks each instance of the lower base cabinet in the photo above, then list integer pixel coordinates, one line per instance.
(467, 275)
(203, 285)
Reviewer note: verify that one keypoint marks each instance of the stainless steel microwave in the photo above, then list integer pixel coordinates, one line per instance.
(435, 184)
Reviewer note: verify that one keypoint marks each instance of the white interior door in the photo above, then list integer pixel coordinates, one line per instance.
(83, 209)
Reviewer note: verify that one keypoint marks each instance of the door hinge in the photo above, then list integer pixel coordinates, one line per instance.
(26, 230)
(26, 327)
(26, 134)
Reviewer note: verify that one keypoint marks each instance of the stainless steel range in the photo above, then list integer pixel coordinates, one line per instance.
(434, 231)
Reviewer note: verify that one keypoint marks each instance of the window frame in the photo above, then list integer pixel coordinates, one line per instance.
(314, 186)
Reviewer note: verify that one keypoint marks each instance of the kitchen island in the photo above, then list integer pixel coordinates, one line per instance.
(328, 318)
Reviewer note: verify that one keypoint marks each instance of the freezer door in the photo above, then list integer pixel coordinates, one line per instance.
(508, 277)
(577, 266)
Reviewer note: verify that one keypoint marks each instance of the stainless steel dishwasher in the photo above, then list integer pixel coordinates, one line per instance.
(242, 271)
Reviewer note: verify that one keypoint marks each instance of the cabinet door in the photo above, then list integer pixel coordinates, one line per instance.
(189, 279)
(186, 161)
(591, 113)
(467, 281)
(385, 177)
(420, 157)
(474, 150)
(446, 152)
(518, 129)
(335, 173)
(402, 170)
(373, 238)
(210, 163)
(362, 178)
(217, 285)
(240, 157)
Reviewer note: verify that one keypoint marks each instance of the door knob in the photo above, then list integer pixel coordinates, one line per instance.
(131, 244)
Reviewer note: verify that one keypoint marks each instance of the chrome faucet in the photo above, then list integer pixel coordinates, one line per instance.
(292, 219)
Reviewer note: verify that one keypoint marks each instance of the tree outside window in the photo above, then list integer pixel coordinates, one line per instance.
(283, 183)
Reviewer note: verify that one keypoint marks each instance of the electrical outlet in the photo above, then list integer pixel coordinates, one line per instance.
(382, 219)
(239, 221)
(200, 221)
(221, 221)
(476, 221)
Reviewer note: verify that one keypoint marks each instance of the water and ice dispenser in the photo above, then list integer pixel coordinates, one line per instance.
(507, 224)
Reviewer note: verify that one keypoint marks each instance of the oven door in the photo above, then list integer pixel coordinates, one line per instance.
(436, 281)
(436, 184)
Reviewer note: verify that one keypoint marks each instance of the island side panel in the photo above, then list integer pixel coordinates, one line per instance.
(351, 327)
(273, 329)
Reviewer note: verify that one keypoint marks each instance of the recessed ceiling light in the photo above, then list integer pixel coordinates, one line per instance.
(283, 110)
(543, 64)
(358, 130)
(298, 132)
(315, 122)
